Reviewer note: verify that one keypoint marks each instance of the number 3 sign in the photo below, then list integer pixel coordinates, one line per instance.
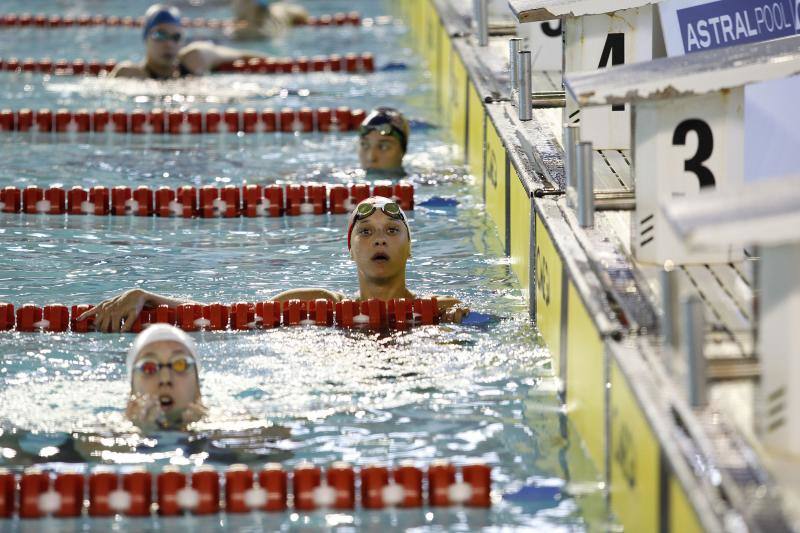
(684, 149)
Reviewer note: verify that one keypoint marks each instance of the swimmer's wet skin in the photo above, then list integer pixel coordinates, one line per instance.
(383, 141)
(263, 19)
(379, 240)
(163, 369)
(165, 58)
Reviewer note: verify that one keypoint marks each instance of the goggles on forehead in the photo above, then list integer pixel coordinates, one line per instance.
(390, 209)
(162, 36)
(385, 123)
(367, 209)
(179, 365)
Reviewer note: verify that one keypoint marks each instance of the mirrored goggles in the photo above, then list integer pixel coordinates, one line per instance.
(150, 367)
(384, 128)
(162, 36)
(390, 209)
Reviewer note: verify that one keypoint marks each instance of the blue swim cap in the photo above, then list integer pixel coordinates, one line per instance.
(160, 14)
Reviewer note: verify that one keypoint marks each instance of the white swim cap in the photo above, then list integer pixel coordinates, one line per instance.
(156, 333)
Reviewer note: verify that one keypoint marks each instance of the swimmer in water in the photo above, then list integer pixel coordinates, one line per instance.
(166, 59)
(382, 143)
(255, 20)
(163, 369)
(379, 241)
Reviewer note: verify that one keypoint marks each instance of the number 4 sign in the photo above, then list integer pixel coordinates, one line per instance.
(600, 41)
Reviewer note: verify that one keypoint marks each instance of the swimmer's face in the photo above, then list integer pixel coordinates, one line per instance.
(380, 152)
(161, 45)
(380, 247)
(174, 390)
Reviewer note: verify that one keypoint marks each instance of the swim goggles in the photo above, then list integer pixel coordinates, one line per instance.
(179, 365)
(366, 209)
(385, 122)
(162, 36)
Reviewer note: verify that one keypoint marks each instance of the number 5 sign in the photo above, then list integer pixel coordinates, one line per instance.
(684, 149)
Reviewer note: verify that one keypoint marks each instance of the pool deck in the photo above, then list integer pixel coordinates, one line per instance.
(686, 468)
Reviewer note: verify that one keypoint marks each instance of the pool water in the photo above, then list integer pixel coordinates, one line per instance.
(290, 394)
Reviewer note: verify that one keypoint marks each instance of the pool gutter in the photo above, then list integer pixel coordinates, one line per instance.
(666, 466)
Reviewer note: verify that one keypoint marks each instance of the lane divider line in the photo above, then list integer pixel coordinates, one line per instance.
(400, 313)
(208, 201)
(159, 121)
(350, 63)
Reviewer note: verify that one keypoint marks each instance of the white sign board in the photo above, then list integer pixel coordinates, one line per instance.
(683, 150)
(771, 114)
(543, 39)
(599, 41)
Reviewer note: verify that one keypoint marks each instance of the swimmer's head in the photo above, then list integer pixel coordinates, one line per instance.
(158, 14)
(379, 239)
(163, 363)
(163, 34)
(383, 139)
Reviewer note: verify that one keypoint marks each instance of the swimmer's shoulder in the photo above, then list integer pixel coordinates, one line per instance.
(128, 69)
(198, 57)
(309, 293)
(288, 14)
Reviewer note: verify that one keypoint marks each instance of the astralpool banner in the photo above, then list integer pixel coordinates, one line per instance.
(771, 114)
(693, 26)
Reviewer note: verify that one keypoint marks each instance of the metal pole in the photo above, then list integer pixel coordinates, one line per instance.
(525, 110)
(584, 156)
(669, 305)
(482, 21)
(514, 45)
(570, 138)
(694, 325)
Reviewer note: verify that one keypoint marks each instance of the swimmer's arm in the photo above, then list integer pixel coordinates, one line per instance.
(119, 313)
(128, 69)
(450, 309)
(204, 56)
(306, 294)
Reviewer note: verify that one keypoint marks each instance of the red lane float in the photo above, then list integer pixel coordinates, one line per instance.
(351, 63)
(176, 122)
(201, 491)
(41, 20)
(374, 314)
(185, 201)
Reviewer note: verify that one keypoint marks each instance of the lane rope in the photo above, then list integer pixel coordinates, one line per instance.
(208, 201)
(205, 491)
(177, 122)
(373, 314)
(45, 21)
(350, 63)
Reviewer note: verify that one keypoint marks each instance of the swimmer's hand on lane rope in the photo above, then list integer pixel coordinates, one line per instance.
(144, 410)
(110, 314)
(463, 316)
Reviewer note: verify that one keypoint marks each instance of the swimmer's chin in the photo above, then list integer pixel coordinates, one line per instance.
(385, 173)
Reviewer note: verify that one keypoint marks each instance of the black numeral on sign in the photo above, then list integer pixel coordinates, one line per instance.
(705, 145)
(549, 30)
(614, 51)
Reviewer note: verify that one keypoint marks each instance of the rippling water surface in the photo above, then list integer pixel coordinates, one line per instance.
(291, 394)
